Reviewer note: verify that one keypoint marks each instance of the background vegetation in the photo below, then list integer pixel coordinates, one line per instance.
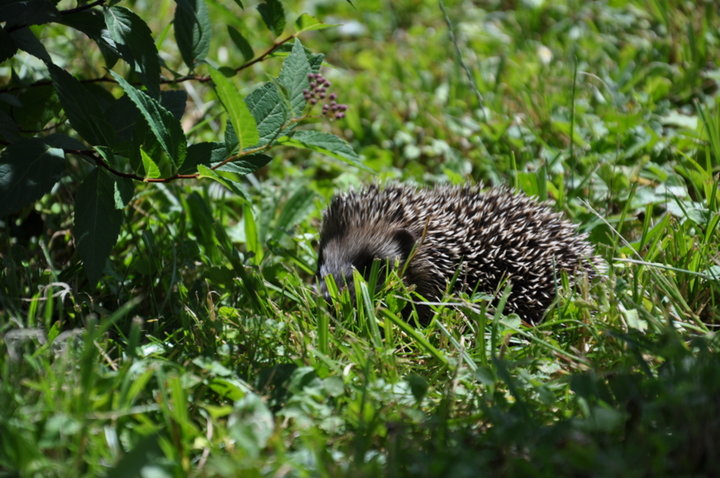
(199, 346)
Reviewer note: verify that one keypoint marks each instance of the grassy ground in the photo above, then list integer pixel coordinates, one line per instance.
(206, 352)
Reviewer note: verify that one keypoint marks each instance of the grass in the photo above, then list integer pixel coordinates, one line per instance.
(207, 352)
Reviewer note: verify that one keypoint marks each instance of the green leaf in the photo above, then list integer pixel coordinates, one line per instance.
(136, 45)
(8, 48)
(164, 126)
(27, 12)
(97, 222)
(192, 31)
(228, 183)
(242, 120)
(26, 40)
(246, 165)
(325, 143)
(28, 169)
(92, 24)
(294, 78)
(241, 43)
(123, 192)
(273, 15)
(152, 170)
(269, 111)
(82, 110)
(306, 23)
(202, 154)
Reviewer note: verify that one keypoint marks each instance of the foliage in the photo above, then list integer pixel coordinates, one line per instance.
(200, 347)
(139, 136)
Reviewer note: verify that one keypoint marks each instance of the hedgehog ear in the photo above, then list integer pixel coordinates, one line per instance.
(405, 241)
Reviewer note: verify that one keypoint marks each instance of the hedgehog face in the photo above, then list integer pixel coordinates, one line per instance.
(356, 249)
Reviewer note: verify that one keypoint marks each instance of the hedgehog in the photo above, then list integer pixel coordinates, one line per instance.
(461, 235)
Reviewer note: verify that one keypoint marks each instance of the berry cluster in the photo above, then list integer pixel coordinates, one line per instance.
(318, 92)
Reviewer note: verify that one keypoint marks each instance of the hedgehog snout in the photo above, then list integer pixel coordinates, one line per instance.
(341, 257)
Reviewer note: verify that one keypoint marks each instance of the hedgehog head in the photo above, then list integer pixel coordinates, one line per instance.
(355, 247)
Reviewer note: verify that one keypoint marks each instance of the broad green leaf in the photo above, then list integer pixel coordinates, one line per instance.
(325, 143)
(228, 183)
(28, 169)
(151, 169)
(164, 126)
(26, 40)
(174, 101)
(269, 111)
(307, 22)
(242, 120)
(202, 154)
(294, 78)
(247, 164)
(123, 192)
(7, 45)
(136, 45)
(82, 110)
(92, 23)
(273, 15)
(241, 43)
(192, 31)
(97, 221)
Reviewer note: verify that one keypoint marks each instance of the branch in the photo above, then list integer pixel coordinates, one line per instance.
(61, 12)
(165, 81)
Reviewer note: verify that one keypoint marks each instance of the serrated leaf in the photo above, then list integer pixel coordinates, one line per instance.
(135, 43)
(269, 111)
(306, 23)
(325, 143)
(174, 101)
(28, 169)
(241, 43)
(81, 108)
(294, 78)
(246, 165)
(92, 23)
(164, 126)
(97, 222)
(273, 15)
(123, 189)
(242, 120)
(192, 31)
(202, 154)
(152, 171)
